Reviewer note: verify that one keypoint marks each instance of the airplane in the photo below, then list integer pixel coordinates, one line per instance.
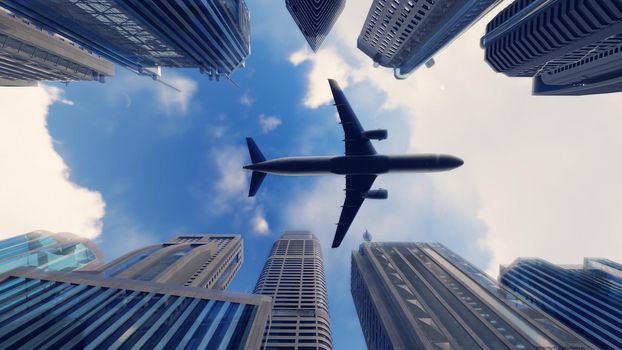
(360, 164)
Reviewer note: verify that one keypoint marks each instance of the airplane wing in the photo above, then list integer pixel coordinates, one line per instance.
(356, 186)
(356, 145)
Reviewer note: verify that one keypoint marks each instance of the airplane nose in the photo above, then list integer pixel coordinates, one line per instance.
(459, 162)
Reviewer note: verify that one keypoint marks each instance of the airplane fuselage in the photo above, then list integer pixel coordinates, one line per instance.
(356, 165)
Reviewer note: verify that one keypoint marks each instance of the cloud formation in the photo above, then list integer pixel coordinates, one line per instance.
(247, 100)
(269, 123)
(540, 177)
(35, 187)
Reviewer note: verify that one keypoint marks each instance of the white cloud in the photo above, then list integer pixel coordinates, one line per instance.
(176, 101)
(36, 192)
(269, 123)
(259, 223)
(231, 189)
(541, 176)
(247, 100)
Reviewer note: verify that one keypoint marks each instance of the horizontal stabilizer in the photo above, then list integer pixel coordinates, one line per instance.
(256, 180)
(256, 155)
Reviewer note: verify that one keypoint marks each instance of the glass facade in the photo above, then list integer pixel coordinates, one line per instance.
(315, 18)
(53, 311)
(420, 295)
(406, 35)
(570, 47)
(587, 300)
(47, 251)
(207, 261)
(213, 36)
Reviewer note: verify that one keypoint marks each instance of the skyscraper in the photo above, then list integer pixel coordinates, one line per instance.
(29, 54)
(207, 261)
(48, 251)
(52, 310)
(315, 18)
(570, 47)
(406, 34)
(213, 36)
(587, 299)
(424, 296)
(294, 277)
(147, 299)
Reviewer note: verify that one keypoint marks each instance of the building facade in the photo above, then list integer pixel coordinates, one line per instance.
(48, 251)
(570, 47)
(315, 18)
(587, 299)
(403, 35)
(293, 276)
(52, 310)
(213, 36)
(206, 261)
(424, 296)
(29, 54)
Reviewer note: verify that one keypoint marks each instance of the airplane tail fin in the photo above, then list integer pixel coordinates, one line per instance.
(256, 180)
(253, 149)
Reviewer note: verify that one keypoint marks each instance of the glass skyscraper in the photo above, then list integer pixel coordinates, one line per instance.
(52, 310)
(569, 47)
(213, 36)
(206, 261)
(406, 34)
(48, 251)
(587, 299)
(294, 277)
(424, 296)
(29, 55)
(165, 296)
(315, 18)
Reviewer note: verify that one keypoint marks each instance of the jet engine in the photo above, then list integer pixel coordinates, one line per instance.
(379, 134)
(380, 193)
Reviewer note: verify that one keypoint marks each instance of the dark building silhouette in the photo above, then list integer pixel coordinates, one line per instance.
(315, 18)
(587, 299)
(294, 277)
(406, 34)
(424, 296)
(569, 47)
(213, 36)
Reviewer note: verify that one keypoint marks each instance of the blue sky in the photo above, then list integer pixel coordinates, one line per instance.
(132, 162)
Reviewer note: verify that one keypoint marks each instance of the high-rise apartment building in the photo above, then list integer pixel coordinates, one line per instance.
(424, 296)
(48, 251)
(206, 261)
(29, 54)
(213, 36)
(570, 47)
(165, 296)
(587, 299)
(403, 35)
(315, 18)
(294, 277)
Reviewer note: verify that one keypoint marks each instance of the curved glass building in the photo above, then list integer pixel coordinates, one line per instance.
(48, 251)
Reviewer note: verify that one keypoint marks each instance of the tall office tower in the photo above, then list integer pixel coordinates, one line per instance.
(587, 299)
(403, 35)
(29, 54)
(206, 261)
(53, 310)
(315, 18)
(570, 47)
(424, 296)
(213, 36)
(48, 251)
(294, 277)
